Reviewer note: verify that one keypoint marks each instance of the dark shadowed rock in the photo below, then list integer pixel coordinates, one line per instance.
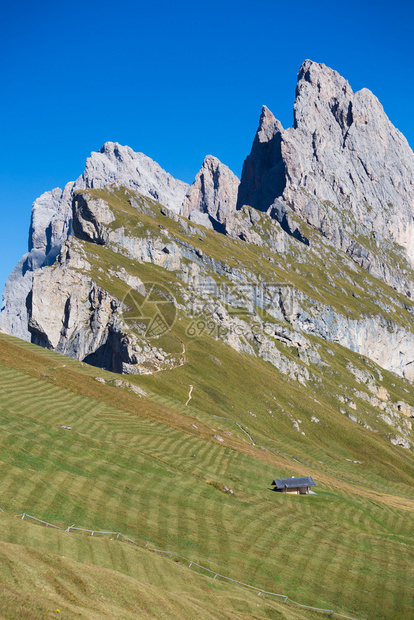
(90, 217)
(263, 177)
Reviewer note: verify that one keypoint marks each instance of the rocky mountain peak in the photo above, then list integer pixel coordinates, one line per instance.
(213, 194)
(343, 168)
(268, 126)
(321, 93)
(51, 221)
(110, 148)
(211, 162)
(115, 163)
(262, 175)
(325, 80)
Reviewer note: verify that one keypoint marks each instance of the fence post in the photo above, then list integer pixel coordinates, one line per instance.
(286, 599)
(190, 565)
(23, 515)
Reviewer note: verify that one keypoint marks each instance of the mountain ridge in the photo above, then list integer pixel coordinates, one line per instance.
(294, 199)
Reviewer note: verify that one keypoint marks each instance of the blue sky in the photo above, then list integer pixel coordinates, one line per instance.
(175, 80)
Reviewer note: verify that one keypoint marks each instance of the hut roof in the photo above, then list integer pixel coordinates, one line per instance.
(304, 481)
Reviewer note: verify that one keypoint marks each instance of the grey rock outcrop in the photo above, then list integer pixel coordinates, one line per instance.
(214, 192)
(204, 219)
(51, 221)
(50, 226)
(90, 218)
(119, 164)
(57, 312)
(70, 313)
(388, 344)
(255, 227)
(344, 169)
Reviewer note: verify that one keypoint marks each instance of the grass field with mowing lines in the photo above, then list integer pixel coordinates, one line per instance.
(139, 465)
(96, 578)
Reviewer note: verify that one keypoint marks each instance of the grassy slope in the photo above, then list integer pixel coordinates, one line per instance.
(152, 467)
(138, 465)
(70, 576)
(236, 386)
(45, 573)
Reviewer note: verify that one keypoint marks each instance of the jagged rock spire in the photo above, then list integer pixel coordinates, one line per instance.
(214, 192)
(262, 177)
(344, 151)
(343, 168)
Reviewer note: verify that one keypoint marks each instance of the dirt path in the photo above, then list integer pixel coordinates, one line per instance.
(189, 395)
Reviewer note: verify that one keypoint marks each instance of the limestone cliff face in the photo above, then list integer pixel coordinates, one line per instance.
(50, 226)
(375, 336)
(60, 311)
(214, 193)
(70, 313)
(65, 298)
(344, 169)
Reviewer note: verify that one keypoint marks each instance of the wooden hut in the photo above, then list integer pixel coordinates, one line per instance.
(298, 486)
